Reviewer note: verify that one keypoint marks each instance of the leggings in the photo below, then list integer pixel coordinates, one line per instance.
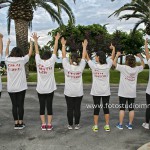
(73, 109)
(46, 100)
(148, 108)
(17, 100)
(122, 102)
(97, 101)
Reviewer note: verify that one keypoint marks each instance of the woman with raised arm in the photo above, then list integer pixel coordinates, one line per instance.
(73, 84)
(127, 86)
(16, 81)
(46, 81)
(1, 51)
(147, 114)
(100, 85)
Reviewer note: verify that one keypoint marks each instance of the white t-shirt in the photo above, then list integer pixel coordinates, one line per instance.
(0, 75)
(128, 80)
(148, 86)
(73, 78)
(100, 74)
(45, 74)
(16, 77)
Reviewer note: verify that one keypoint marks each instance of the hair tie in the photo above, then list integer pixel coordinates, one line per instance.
(74, 63)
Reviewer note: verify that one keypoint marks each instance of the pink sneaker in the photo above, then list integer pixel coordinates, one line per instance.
(49, 127)
(43, 127)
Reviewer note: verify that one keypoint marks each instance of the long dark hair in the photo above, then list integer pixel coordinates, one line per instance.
(130, 61)
(75, 58)
(102, 57)
(46, 55)
(16, 52)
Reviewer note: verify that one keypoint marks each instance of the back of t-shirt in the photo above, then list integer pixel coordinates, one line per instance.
(45, 74)
(73, 78)
(100, 74)
(128, 80)
(16, 77)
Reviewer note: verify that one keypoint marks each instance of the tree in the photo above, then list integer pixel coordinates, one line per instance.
(97, 36)
(21, 11)
(99, 39)
(140, 9)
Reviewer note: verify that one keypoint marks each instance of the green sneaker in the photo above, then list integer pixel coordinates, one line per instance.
(95, 128)
(107, 128)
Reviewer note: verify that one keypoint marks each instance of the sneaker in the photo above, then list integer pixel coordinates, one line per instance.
(77, 127)
(106, 128)
(119, 126)
(49, 127)
(69, 127)
(21, 126)
(95, 128)
(43, 127)
(129, 126)
(16, 126)
(145, 125)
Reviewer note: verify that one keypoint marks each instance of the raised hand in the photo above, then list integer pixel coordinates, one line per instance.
(8, 42)
(1, 35)
(112, 46)
(85, 43)
(118, 54)
(57, 37)
(146, 41)
(35, 36)
(63, 41)
(31, 42)
(139, 55)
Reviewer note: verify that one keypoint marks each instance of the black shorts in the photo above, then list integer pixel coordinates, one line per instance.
(123, 106)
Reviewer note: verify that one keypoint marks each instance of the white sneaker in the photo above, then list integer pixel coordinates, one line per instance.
(77, 127)
(145, 125)
(69, 127)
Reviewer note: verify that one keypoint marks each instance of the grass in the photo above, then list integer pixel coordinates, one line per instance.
(87, 76)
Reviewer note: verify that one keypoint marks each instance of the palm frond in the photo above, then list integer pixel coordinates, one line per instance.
(68, 10)
(8, 25)
(51, 11)
(137, 24)
(5, 1)
(128, 16)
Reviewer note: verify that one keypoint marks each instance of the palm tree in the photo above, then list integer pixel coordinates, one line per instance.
(140, 10)
(21, 11)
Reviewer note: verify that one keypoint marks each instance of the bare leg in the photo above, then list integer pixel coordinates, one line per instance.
(96, 119)
(43, 119)
(16, 121)
(107, 119)
(131, 117)
(49, 117)
(121, 116)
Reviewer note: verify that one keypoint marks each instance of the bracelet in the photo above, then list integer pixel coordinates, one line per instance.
(63, 45)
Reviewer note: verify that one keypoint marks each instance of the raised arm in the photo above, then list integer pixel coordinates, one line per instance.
(84, 45)
(141, 58)
(113, 51)
(7, 47)
(35, 37)
(1, 43)
(63, 43)
(116, 59)
(31, 48)
(56, 43)
(146, 49)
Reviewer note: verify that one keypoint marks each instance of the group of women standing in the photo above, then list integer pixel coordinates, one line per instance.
(73, 91)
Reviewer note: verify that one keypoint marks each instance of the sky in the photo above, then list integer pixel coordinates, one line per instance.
(86, 12)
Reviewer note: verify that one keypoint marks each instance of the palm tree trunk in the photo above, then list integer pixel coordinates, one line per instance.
(21, 28)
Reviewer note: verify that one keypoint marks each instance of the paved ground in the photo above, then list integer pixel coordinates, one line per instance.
(32, 138)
